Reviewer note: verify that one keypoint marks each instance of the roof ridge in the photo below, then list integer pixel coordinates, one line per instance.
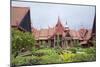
(20, 7)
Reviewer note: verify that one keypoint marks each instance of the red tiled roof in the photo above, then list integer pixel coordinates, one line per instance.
(74, 34)
(84, 34)
(17, 14)
(35, 32)
(43, 34)
(51, 32)
(48, 33)
(88, 35)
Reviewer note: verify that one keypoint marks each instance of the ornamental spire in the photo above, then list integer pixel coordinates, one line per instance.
(66, 25)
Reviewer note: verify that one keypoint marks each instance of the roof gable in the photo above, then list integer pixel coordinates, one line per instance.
(17, 14)
(59, 29)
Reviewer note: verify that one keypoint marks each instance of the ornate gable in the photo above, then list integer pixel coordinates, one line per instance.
(59, 29)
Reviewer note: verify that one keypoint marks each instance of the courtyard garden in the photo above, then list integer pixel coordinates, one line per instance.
(24, 52)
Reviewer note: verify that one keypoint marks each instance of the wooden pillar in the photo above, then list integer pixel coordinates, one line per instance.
(54, 42)
(49, 43)
(71, 43)
(64, 42)
(74, 42)
(67, 45)
(39, 42)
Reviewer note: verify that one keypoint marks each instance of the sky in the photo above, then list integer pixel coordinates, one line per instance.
(44, 15)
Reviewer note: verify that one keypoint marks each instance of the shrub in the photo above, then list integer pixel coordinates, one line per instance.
(67, 57)
(45, 51)
(91, 50)
(70, 57)
(21, 40)
(19, 60)
(84, 57)
(25, 60)
(76, 43)
(39, 54)
(36, 61)
(58, 50)
(51, 59)
(73, 50)
(48, 55)
(79, 55)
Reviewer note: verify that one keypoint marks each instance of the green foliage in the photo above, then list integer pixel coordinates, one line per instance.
(67, 57)
(19, 60)
(84, 57)
(94, 42)
(73, 50)
(36, 60)
(91, 50)
(59, 50)
(44, 54)
(45, 51)
(27, 60)
(43, 45)
(76, 43)
(41, 56)
(71, 57)
(21, 40)
(79, 55)
(47, 56)
(26, 53)
(50, 56)
(53, 58)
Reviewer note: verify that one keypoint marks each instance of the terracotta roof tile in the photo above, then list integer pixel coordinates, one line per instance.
(74, 34)
(35, 32)
(85, 34)
(17, 14)
(51, 32)
(43, 33)
(88, 35)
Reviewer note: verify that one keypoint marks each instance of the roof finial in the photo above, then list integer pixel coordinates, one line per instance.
(58, 19)
(66, 24)
(58, 22)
